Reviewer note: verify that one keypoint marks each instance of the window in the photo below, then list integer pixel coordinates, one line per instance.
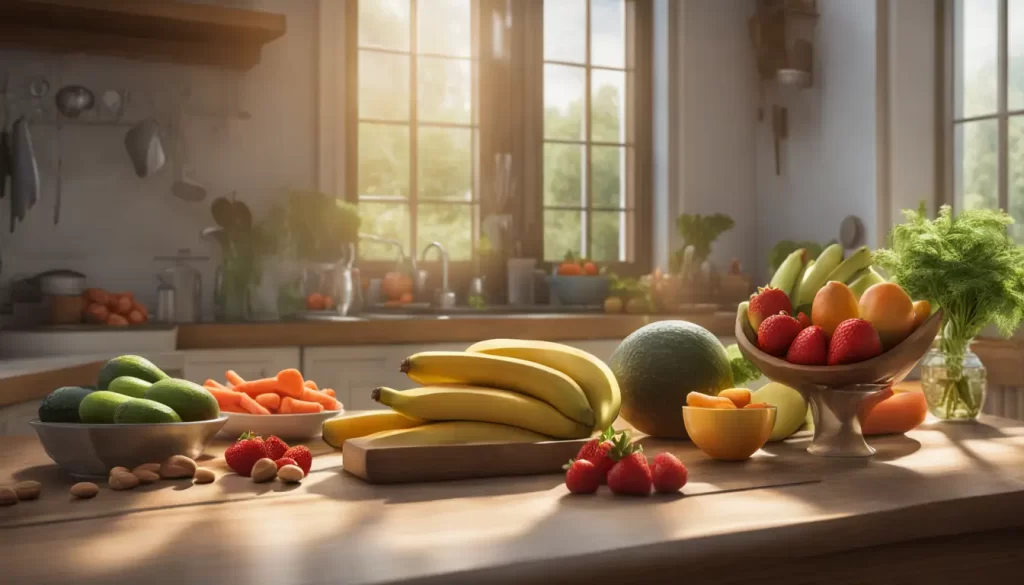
(987, 102)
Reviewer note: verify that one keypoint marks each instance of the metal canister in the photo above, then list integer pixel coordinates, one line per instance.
(165, 296)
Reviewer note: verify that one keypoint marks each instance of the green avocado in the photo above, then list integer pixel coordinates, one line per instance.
(142, 411)
(99, 406)
(130, 386)
(191, 401)
(61, 405)
(129, 365)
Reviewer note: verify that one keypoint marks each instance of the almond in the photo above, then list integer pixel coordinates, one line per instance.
(85, 490)
(264, 470)
(28, 490)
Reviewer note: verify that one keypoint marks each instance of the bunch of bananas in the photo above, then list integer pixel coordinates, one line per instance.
(800, 277)
(501, 390)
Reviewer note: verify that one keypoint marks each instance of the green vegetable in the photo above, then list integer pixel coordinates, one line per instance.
(743, 370)
(700, 232)
(970, 267)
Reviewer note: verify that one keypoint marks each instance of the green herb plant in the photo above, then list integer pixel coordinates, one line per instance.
(970, 267)
(700, 231)
(743, 370)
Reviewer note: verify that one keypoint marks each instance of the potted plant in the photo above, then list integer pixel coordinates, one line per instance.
(691, 262)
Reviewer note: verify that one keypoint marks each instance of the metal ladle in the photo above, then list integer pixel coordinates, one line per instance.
(71, 100)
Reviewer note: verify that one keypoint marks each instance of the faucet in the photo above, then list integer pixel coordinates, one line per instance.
(402, 257)
(445, 297)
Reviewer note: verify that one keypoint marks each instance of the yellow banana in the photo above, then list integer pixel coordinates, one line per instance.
(789, 272)
(817, 275)
(491, 371)
(856, 262)
(440, 403)
(453, 433)
(338, 430)
(592, 375)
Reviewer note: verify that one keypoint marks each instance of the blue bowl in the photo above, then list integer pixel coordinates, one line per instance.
(579, 290)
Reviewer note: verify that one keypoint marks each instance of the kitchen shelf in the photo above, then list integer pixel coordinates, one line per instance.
(155, 30)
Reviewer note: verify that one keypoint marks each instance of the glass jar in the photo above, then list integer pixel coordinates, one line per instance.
(953, 393)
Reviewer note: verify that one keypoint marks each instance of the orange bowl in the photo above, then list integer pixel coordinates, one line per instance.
(729, 434)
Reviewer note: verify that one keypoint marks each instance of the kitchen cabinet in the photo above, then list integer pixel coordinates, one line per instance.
(202, 364)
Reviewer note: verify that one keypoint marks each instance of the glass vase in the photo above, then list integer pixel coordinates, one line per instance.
(954, 388)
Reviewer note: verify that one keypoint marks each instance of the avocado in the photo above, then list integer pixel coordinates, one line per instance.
(130, 386)
(658, 365)
(99, 406)
(129, 365)
(142, 411)
(61, 405)
(191, 401)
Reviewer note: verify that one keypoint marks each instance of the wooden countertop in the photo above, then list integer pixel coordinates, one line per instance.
(924, 503)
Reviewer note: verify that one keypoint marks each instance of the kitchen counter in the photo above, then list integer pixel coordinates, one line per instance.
(948, 499)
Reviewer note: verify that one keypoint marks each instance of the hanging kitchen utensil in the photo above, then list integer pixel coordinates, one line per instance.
(24, 169)
(145, 148)
(184, 187)
(223, 213)
(5, 160)
(72, 100)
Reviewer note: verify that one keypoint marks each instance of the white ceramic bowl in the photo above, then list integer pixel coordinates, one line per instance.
(286, 426)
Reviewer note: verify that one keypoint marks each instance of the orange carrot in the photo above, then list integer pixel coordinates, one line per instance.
(237, 409)
(290, 383)
(257, 387)
(249, 403)
(215, 384)
(315, 396)
(291, 406)
(269, 401)
(311, 385)
(233, 378)
(225, 398)
(329, 392)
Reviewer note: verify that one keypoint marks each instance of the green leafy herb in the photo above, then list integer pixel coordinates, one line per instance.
(970, 267)
(743, 370)
(700, 231)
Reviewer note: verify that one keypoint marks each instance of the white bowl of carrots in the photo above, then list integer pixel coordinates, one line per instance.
(285, 405)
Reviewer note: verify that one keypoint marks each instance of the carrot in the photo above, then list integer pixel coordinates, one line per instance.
(249, 403)
(257, 387)
(215, 384)
(237, 409)
(311, 385)
(290, 383)
(225, 398)
(329, 392)
(233, 378)
(270, 401)
(900, 413)
(291, 406)
(321, 398)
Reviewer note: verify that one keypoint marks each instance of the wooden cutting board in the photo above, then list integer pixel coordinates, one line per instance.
(447, 462)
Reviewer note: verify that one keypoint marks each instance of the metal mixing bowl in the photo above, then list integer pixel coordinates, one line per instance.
(86, 450)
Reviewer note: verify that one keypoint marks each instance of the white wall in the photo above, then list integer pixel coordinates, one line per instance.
(828, 162)
(114, 223)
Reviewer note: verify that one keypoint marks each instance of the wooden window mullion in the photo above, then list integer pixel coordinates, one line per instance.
(413, 128)
(587, 223)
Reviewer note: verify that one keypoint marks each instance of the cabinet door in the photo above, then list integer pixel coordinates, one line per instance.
(250, 364)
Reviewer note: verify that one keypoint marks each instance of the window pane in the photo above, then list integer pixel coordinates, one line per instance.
(444, 90)
(384, 23)
(976, 166)
(383, 86)
(564, 91)
(608, 33)
(565, 30)
(562, 233)
(445, 163)
(1015, 38)
(608, 236)
(1016, 135)
(452, 225)
(444, 27)
(608, 173)
(383, 160)
(607, 106)
(564, 175)
(976, 58)
(388, 220)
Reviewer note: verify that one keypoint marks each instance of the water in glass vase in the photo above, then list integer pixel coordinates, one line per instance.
(952, 395)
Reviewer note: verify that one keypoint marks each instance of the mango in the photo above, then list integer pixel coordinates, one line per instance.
(791, 408)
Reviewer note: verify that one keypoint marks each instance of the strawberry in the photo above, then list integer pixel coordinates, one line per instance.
(302, 456)
(583, 477)
(630, 475)
(804, 320)
(597, 451)
(275, 447)
(854, 340)
(776, 333)
(766, 302)
(810, 348)
(668, 473)
(285, 461)
(244, 453)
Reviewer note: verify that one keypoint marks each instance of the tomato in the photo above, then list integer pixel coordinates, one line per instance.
(590, 269)
(569, 269)
(315, 302)
(396, 284)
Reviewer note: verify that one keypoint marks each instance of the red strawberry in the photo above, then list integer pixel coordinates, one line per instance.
(669, 473)
(630, 475)
(776, 333)
(804, 320)
(242, 455)
(583, 477)
(854, 340)
(810, 348)
(767, 302)
(275, 447)
(597, 451)
(302, 456)
(285, 461)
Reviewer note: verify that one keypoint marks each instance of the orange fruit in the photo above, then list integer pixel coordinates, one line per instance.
(700, 400)
(315, 302)
(922, 310)
(739, 396)
(833, 304)
(888, 307)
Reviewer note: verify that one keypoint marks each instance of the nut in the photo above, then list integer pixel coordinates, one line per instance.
(177, 467)
(153, 467)
(8, 497)
(146, 476)
(204, 475)
(85, 490)
(123, 481)
(28, 490)
(264, 470)
(290, 473)
(119, 469)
